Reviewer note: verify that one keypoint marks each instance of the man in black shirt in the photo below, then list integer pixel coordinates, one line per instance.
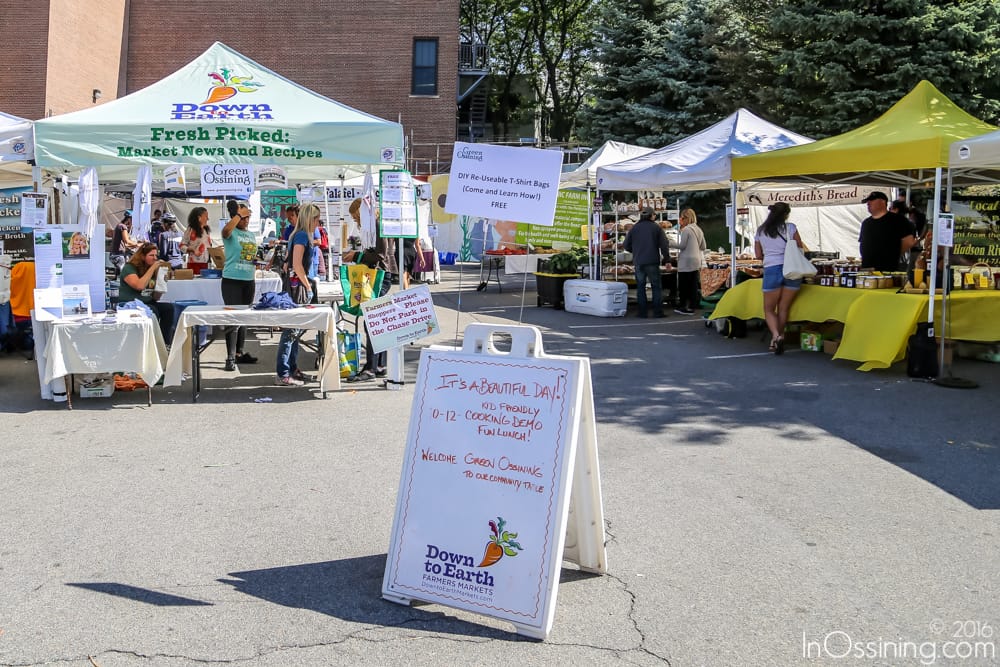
(885, 236)
(649, 248)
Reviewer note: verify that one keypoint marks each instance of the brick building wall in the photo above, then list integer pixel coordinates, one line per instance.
(24, 32)
(85, 45)
(359, 54)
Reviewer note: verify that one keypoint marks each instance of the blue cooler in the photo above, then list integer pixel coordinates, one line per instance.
(201, 331)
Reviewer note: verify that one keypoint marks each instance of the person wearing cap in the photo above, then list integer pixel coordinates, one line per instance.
(650, 248)
(169, 242)
(885, 236)
(122, 243)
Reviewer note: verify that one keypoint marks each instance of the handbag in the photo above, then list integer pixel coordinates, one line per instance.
(299, 292)
(796, 266)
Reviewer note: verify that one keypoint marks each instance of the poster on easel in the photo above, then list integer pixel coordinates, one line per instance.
(513, 436)
(397, 205)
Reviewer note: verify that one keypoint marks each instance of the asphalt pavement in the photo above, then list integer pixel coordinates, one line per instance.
(759, 510)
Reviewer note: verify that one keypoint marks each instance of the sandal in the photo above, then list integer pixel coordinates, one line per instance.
(361, 377)
(779, 345)
(774, 345)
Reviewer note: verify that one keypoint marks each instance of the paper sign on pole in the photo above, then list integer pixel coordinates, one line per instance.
(946, 229)
(34, 209)
(397, 204)
(399, 318)
(236, 180)
(500, 480)
(504, 182)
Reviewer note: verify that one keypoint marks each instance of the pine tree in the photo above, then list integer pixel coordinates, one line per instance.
(841, 63)
(686, 65)
(627, 31)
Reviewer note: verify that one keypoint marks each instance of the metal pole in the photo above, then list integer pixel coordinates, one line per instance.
(934, 248)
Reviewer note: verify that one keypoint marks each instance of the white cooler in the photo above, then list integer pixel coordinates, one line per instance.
(596, 297)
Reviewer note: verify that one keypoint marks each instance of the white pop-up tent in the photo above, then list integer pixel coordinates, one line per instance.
(611, 152)
(977, 158)
(221, 108)
(17, 146)
(702, 161)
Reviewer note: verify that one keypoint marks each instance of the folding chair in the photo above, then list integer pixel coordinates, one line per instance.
(359, 284)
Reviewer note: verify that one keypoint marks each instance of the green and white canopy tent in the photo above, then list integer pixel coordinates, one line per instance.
(220, 108)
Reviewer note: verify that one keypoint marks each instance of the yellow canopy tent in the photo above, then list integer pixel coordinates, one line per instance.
(907, 145)
(903, 146)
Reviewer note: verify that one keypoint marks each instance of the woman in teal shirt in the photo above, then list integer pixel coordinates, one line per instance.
(238, 277)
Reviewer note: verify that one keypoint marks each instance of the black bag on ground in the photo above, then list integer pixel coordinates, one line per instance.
(733, 327)
(921, 353)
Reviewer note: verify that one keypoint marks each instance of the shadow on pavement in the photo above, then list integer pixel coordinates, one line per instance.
(141, 594)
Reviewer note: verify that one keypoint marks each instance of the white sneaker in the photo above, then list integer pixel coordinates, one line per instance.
(287, 382)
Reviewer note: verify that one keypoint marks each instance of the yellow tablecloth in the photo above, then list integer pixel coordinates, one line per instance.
(877, 323)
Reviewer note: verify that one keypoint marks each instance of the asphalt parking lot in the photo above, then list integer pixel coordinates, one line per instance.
(759, 510)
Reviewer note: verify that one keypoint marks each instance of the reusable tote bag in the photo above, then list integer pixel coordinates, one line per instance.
(796, 266)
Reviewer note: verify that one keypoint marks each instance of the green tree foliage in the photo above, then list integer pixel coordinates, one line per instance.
(838, 64)
(504, 27)
(561, 59)
(623, 85)
(671, 68)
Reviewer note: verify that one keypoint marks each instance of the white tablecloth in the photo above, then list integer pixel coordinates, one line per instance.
(209, 290)
(318, 318)
(132, 344)
(520, 264)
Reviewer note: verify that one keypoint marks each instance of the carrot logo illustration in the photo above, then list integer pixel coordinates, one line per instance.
(225, 86)
(501, 543)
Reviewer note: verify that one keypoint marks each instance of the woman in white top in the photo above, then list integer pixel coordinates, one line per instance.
(689, 262)
(779, 292)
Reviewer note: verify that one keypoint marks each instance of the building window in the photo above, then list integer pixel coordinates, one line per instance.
(425, 66)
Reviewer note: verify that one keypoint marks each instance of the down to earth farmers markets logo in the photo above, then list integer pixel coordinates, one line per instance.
(224, 87)
(501, 543)
(450, 569)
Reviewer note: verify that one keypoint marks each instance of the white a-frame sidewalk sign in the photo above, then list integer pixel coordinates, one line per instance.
(500, 480)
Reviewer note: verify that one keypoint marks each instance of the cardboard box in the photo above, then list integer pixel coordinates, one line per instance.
(811, 341)
(830, 346)
(183, 274)
(98, 389)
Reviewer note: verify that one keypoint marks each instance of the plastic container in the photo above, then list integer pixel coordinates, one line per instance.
(447, 258)
(595, 297)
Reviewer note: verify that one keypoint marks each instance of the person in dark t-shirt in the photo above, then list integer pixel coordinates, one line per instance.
(885, 236)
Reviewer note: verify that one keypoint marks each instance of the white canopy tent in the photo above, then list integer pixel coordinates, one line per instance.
(977, 158)
(611, 152)
(17, 146)
(702, 161)
(222, 108)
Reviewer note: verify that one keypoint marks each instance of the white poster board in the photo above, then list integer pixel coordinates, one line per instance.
(399, 318)
(500, 480)
(236, 180)
(503, 182)
(397, 200)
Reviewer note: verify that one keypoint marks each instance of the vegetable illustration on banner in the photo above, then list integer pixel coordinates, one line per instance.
(225, 86)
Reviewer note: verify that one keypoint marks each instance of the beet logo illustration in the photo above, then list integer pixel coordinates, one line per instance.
(224, 86)
(501, 543)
